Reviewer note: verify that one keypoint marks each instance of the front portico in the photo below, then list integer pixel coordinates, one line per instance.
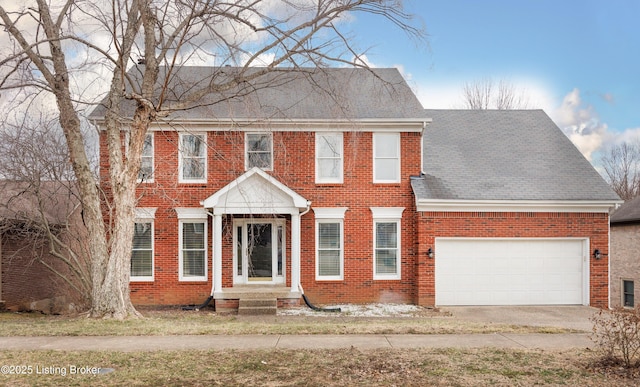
(257, 202)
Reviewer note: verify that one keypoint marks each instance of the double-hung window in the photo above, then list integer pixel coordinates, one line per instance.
(386, 157)
(386, 242)
(259, 151)
(329, 157)
(193, 158)
(329, 243)
(192, 244)
(142, 248)
(145, 175)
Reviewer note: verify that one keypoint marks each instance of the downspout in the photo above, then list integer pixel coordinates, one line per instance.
(306, 300)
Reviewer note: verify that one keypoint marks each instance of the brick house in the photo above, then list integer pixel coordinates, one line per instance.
(625, 254)
(338, 183)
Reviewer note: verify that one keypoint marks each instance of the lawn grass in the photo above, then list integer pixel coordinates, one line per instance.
(415, 367)
(176, 322)
(279, 367)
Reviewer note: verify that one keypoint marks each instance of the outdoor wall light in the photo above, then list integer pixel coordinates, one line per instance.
(597, 254)
(430, 253)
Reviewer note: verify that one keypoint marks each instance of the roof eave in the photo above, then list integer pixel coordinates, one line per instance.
(365, 124)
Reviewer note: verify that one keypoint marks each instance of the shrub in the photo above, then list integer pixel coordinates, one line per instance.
(616, 333)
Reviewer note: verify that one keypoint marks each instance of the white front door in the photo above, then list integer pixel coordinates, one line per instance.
(259, 254)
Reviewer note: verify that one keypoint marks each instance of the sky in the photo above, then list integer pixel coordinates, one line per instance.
(579, 60)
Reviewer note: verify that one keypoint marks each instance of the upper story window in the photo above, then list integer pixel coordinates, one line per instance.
(386, 157)
(259, 151)
(193, 158)
(145, 174)
(329, 157)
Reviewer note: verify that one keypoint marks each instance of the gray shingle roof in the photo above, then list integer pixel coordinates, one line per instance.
(503, 155)
(628, 212)
(286, 94)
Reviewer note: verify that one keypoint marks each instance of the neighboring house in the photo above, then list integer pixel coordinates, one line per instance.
(625, 254)
(27, 278)
(337, 182)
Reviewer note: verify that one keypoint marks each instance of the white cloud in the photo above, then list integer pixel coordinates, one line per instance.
(581, 124)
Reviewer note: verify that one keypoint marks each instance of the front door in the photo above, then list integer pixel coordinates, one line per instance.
(259, 254)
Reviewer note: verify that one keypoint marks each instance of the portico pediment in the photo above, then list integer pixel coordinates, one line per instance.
(255, 192)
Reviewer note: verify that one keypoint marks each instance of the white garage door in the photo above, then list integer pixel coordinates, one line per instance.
(510, 271)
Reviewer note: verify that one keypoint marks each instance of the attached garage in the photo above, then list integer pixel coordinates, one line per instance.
(511, 271)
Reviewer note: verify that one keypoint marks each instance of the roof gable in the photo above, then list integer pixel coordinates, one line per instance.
(255, 192)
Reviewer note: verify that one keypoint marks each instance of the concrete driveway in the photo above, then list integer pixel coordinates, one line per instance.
(568, 317)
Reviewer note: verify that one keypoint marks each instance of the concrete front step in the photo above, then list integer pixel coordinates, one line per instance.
(257, 306)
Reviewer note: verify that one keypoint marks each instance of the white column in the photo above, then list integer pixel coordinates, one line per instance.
(217, 253)
(295, 252)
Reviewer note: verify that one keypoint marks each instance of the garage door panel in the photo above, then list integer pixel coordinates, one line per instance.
(509, 271)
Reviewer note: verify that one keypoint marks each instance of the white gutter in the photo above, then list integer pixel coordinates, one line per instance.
(602, 206)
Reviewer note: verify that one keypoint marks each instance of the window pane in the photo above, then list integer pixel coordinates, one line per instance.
(142, 236)
(193, 235)
(386, 235)
(386, 145)
(329, 262)
(147, 148)
(146, 168)
(260, 160)
(192, 145)
(329, 168)
(386, 169)
(385, 261)
(329, 236)
(193, 263)
(259, 142)
(330, 145)
(141, 263)
(193, 168)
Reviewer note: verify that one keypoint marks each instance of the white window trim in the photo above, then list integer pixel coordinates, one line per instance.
(398, 150)
(181, 178)
(146, 215)
(339, 179)
(192, 215)
(246, 150)
(388, 215)
(329, 215)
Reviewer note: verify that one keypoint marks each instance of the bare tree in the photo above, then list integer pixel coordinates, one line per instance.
(484, 94)
(53, 40)
(621, 164)
(39, 203)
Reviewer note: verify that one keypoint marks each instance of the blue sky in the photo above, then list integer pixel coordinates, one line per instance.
(578, 60)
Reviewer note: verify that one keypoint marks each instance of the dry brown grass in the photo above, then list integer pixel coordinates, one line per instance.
(163, 322)
(351, 367)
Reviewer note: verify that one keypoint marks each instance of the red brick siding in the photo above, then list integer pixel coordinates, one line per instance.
(294, 166)
(594, 226)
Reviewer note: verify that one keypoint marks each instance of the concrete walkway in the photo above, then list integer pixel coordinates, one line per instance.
(249, 342)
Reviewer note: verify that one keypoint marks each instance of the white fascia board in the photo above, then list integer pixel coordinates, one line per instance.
(514, 206)
(296, 125)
